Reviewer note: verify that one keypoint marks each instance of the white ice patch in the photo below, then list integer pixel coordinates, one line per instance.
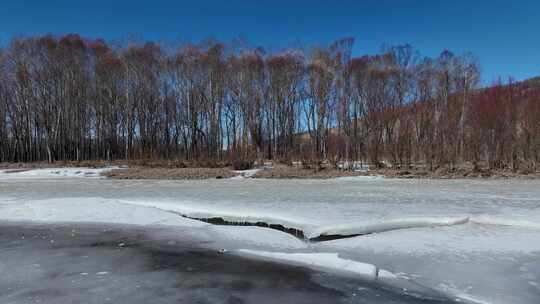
(360, 178)
(231, 215)
(499, 221)
(386, 225)
(463, 297)
(55, 173)
(454, 240)
(91, 210)
(484, 263)
(319, 261)
(246, 173)
(310, 230)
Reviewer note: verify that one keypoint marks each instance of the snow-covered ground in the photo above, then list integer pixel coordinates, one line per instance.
(48, 173)
(476, 240)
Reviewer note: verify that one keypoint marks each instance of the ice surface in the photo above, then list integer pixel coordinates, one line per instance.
(332, 262)
(232, 215)
(256, 238)
(322, 261)
(310, 230)
(532, 220)
(492, 264)
(85, 265)
(493, 257)
(90, 210)
(386, 225)
(468, 238)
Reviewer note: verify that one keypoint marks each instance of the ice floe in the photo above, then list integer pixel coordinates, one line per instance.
(353, 229)
(319, 261)
(90, 210)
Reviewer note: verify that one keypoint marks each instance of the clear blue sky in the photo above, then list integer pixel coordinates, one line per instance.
(504, 35)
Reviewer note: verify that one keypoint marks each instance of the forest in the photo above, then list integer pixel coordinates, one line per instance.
(69, 98)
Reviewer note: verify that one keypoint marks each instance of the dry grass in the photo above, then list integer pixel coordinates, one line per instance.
(283, 171)
(59, 164)
(170, 164)
(180, 170)
(170, 173)
(458, 173)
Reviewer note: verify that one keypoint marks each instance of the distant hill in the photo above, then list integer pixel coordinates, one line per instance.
(532, 82)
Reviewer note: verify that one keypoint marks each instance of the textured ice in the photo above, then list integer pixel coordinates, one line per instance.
(332, 262)
(232, 215)
(473, 261)
(310, 230)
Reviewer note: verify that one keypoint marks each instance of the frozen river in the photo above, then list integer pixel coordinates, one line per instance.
(385, 240)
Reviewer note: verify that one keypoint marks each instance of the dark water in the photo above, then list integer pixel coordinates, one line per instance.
(92, 264)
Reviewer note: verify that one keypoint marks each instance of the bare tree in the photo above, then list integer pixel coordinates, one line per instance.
(72, 98)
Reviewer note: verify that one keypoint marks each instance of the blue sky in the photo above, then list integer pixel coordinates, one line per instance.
(504, 35)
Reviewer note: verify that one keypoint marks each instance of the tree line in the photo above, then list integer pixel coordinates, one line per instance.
(71, 98)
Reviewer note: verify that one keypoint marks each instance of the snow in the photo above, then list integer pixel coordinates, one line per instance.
(246, 173)
(54, 173)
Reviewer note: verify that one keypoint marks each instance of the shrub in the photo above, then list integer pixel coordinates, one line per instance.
(242, 164)
(312, 164)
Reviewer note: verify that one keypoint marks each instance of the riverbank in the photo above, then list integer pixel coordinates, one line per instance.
(166, 170)
(292, 172)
